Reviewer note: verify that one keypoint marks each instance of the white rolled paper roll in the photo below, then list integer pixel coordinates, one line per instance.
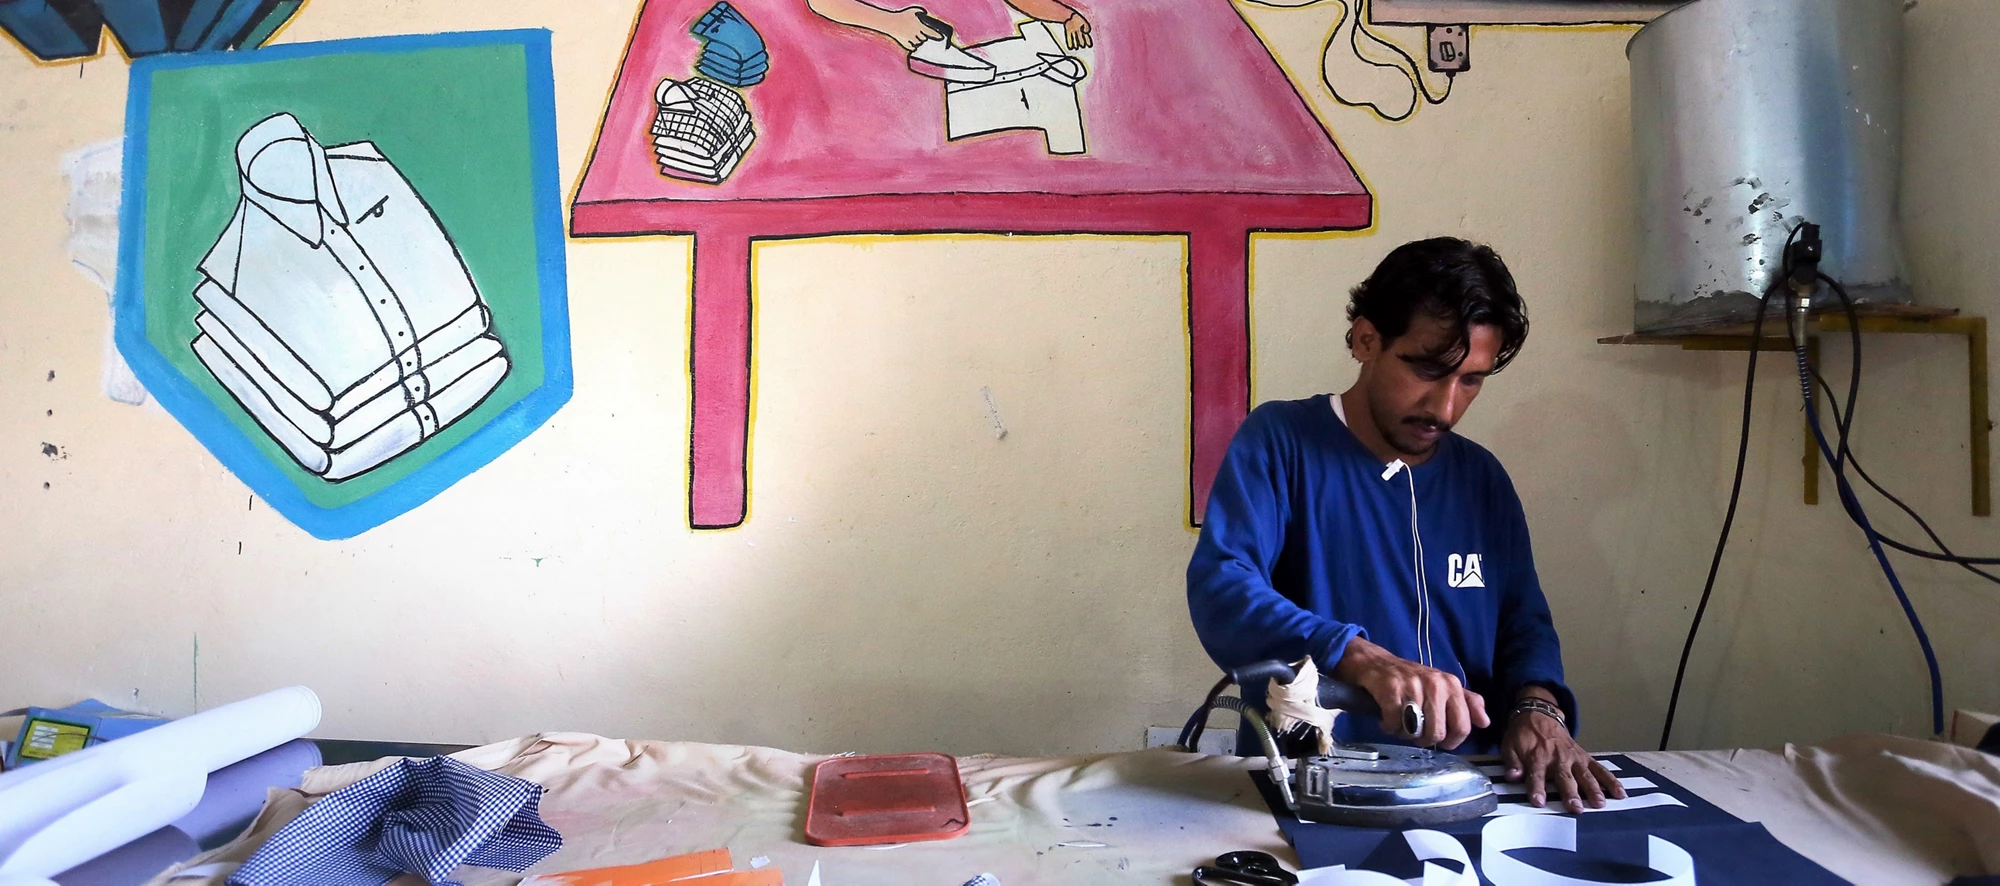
(60, 813)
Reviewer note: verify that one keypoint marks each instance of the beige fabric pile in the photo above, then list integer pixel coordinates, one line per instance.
(1872, 809)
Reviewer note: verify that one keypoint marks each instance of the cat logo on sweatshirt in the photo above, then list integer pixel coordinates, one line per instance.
(1464, 571)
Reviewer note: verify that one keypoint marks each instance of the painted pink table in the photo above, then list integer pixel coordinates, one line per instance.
(1192, 130)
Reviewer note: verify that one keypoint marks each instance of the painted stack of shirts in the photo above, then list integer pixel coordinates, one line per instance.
(702, 131)
(336, 310)
(732, 52)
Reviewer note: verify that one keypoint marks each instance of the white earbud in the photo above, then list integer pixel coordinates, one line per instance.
(1394, 466)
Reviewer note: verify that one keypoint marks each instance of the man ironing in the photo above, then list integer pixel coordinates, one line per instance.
(1359, 530)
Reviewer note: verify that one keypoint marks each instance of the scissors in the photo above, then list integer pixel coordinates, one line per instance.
(1245, 868)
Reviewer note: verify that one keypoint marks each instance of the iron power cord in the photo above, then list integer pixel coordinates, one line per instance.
(1852, 505)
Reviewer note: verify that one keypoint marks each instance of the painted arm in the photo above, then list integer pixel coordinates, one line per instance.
(1075, 26)
(901, 26)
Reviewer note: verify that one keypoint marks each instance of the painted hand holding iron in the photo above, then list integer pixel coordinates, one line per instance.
(1450, 711)
(905, 26)
(1078, 30)
(1540, 751)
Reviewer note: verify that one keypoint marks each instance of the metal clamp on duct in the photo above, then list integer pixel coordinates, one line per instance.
(1359, 785)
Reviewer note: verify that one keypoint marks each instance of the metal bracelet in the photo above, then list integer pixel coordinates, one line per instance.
(1541, 707)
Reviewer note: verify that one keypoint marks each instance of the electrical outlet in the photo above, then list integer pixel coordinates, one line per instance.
(1213, 741)
(1451, 48)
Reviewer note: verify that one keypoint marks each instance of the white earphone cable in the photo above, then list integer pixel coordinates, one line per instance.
(1417, 565)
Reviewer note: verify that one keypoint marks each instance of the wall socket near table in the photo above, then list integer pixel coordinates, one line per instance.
(1213, 741)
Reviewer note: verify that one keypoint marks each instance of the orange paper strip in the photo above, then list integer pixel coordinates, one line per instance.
(652, 873)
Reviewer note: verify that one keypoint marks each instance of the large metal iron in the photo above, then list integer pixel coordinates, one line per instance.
(1749, 116)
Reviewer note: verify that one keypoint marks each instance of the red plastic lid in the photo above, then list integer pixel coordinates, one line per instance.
(894, 798)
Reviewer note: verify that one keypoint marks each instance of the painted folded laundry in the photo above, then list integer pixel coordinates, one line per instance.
(401, 433)
(720, 53)
(731, 73)
(732, 51)
(265, 347)
(702, 131)
(723, 28)
(335, 432)
(1033, 87)
(337, 310)
(679, 164)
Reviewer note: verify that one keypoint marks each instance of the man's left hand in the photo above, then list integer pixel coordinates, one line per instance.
(1539, 751)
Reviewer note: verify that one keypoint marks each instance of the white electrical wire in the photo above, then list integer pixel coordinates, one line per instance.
(1354, 21)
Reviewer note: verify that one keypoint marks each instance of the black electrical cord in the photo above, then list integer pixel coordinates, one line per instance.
(1736, 485)
(1946, 557)
(1854, 462)
(1845, 423)
(1190, 737)
(1729, 517)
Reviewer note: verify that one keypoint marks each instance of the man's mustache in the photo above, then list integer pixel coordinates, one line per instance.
(1428, 423)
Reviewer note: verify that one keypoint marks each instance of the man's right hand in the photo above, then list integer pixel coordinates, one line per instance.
(1451, 711)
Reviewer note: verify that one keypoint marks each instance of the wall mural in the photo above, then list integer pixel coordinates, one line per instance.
(760, 120)
(343, 264)
(61, 30)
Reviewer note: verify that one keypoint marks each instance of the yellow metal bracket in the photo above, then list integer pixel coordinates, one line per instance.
(1889, 319)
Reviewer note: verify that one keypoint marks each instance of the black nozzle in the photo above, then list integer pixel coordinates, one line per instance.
(1802, 257)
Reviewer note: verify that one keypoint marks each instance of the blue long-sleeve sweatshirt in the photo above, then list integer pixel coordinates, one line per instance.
(1305, 546)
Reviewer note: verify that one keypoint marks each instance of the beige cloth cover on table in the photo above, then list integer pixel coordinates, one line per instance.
(1871, 808)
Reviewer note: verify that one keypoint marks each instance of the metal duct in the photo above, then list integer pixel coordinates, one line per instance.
(1747, 117)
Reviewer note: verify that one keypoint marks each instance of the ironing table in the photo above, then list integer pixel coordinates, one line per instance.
(1192, 130)
(1869, 808)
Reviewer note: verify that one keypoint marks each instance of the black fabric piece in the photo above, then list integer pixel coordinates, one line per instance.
(1611, 846)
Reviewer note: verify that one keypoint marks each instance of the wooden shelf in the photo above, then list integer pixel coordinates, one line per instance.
(1874, 319)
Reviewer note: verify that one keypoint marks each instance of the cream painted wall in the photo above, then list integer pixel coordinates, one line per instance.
(909, 581)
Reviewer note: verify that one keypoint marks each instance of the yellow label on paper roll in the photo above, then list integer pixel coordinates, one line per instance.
(50, 738)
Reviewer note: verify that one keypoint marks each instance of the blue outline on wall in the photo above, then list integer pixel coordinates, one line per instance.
(205, 419)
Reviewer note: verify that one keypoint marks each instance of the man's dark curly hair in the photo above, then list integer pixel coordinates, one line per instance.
(1458, 283)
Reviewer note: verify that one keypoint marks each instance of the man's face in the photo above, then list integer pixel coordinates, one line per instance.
(1413, 395)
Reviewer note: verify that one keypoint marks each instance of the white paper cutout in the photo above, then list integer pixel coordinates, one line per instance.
(1499, 771)
(1643, 801)
(1428, 846)
(1631, 783)
(95, 173)
(1508, 833)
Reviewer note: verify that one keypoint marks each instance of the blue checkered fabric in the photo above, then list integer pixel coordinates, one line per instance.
(423, 817)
